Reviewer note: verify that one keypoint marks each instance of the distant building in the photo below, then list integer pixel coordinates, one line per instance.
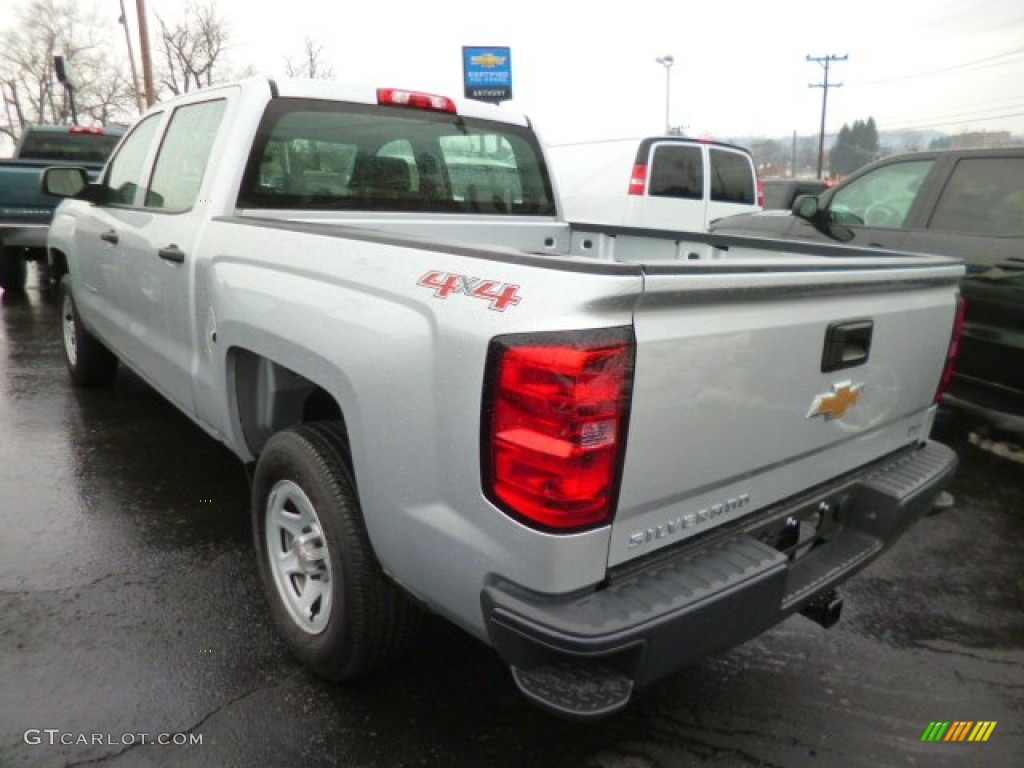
(981, 140)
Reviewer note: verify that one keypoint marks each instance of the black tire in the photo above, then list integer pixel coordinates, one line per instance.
(90, 364)
(12, 270)
(304, 495)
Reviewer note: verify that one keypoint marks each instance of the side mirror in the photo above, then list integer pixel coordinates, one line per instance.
(64, 181)
(806, 207)
(73, 181)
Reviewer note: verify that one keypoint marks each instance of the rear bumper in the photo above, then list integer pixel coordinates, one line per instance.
(676, 609)
(23, 235)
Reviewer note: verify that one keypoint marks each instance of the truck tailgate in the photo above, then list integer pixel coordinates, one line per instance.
(732, 410)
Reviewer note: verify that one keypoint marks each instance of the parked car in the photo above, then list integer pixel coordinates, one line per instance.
(965, 203)
(780, 194)
(25, 212)
(659, 182)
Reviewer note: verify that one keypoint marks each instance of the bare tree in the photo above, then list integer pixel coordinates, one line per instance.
(308, 63)
(31, 94)
(193, 48)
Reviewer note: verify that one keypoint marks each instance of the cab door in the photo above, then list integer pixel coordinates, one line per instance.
(102, 232)
(159, 252)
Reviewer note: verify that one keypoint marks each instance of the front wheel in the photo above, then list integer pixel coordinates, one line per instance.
(335, 607)
(89, 362)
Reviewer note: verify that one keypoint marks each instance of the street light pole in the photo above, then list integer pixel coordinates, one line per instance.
(667, 61)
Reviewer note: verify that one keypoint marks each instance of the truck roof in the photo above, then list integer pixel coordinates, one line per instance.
(358, 93)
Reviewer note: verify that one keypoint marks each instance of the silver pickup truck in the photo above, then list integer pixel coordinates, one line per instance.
(605, 452)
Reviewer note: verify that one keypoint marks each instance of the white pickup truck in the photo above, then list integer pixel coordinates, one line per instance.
(607, 453)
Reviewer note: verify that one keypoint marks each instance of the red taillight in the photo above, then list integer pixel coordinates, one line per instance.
(760, 192)
(554, 428)
(84, 129)
(415, 99)
(638, 179)
(954, 348)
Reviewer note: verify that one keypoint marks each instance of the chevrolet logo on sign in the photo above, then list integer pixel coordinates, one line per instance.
(834, 404)
(488, 60)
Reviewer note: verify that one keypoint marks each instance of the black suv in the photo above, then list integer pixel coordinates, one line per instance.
(964, 203)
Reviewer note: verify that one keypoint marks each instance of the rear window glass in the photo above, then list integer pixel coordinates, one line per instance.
(732, 177)
(72, 148)
(336, 156)
(984, 196)
(677, 171)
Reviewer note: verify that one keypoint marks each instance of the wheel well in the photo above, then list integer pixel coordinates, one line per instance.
(58, 265)
(271, 397)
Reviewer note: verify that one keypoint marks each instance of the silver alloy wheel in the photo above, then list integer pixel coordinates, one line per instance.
(298, 557)
(67, 311)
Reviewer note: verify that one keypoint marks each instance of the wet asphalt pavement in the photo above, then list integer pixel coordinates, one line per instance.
(130, 607)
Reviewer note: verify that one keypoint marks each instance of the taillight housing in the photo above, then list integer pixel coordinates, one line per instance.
(760, 192)
(638, 180)
(954, 348)
(554, 426)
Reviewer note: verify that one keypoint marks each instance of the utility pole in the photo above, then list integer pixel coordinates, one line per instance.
(147, 63)
(824, 61)
(131, 60)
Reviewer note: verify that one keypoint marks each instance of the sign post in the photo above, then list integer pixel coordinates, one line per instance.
(487, 72)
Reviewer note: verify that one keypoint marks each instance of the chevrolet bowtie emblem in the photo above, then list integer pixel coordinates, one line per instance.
(834, 404)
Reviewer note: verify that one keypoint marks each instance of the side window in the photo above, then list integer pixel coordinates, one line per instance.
(732, 177)
(984, 196)
(124, 176)
(882, 198)
(677, 171)
(183, 155)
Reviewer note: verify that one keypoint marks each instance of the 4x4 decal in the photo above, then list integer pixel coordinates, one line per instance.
(499, 295)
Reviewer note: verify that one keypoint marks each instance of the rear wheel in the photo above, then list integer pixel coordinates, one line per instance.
(89, 362)
(338, 611)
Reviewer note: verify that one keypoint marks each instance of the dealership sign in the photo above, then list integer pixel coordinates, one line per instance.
(487, 73)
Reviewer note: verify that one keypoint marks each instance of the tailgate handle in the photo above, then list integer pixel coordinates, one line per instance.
(847, 344)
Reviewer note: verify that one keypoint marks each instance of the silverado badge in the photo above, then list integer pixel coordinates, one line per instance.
(832, 405)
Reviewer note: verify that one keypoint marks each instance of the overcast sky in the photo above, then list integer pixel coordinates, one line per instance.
(587, 69)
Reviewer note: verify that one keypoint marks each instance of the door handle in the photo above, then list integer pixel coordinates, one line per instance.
(110, 236)
(172, 253)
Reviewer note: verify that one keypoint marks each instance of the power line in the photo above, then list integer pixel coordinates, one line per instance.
(824, 61)
(990, 61)
(976, 113)
(956, 122)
